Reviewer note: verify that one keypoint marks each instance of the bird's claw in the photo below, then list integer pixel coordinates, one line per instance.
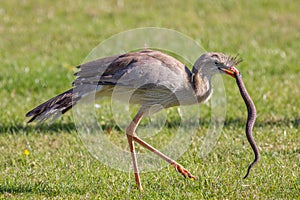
(184, 171)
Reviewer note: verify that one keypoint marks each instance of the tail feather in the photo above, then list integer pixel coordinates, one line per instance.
(52, 108)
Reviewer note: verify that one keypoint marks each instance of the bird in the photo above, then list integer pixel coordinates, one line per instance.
(156, 79)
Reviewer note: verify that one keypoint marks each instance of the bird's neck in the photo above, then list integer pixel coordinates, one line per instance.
(202, 86)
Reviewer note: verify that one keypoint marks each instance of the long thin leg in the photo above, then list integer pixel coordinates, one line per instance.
(130, 133)
(177, 166)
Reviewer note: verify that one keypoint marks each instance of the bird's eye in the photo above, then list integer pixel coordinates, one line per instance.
(217, 63)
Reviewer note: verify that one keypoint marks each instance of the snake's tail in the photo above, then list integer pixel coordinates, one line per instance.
(255, 150)
(250, 167)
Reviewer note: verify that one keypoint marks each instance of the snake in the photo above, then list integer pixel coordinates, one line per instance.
(250, 120)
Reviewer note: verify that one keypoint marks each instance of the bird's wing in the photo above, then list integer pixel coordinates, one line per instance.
(127, 69)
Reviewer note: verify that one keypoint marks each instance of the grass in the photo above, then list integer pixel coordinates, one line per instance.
(40, 41)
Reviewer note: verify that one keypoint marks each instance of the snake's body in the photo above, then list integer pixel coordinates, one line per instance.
(250, 119)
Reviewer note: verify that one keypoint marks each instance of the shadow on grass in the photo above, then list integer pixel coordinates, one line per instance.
(22, 128)
(16, 189)
(294, 122)
(35, 188)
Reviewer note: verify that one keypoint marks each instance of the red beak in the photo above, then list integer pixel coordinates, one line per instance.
(230, 71)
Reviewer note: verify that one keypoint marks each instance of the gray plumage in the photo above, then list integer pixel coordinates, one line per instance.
(157, 78)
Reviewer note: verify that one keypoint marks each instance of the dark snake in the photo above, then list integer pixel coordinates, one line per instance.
(250, 119)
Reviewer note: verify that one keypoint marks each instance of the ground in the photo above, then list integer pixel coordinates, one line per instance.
(42, 41)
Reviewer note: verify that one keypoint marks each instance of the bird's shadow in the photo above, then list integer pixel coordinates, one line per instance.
(69, 127)
(29, 188)
(295, 122)
(17, 189)
(24, 128)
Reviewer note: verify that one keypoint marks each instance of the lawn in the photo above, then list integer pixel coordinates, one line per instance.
(42, 41)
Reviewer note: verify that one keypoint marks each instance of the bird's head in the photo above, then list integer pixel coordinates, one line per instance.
(212, 63)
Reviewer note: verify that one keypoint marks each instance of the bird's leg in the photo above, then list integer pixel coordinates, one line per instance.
(130, 134)
(177, 166)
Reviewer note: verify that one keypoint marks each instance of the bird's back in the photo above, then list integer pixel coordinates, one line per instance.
(152, 65)
(149, 77)
(146, 78)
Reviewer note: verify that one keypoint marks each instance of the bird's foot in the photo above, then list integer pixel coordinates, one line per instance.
(184, 171)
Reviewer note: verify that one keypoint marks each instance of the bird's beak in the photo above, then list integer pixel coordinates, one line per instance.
(230, 71)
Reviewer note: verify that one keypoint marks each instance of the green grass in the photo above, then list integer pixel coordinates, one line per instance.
(41, 40)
